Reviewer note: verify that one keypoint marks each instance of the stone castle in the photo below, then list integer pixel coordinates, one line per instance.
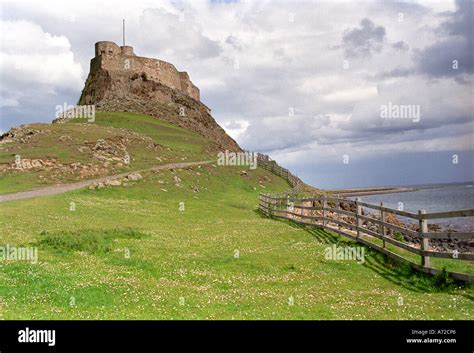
(109, 56)
(120, 81)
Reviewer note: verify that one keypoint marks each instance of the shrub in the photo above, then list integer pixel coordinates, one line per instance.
(399, 237)
(88, 240)
(443, 280)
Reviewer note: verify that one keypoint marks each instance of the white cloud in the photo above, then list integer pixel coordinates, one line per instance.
(28, 53)
(30, 57)
(351, 95)
(236, 128)
(177, 35)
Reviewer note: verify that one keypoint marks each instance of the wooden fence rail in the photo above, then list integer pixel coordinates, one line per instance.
(325, 212)
(265, 162)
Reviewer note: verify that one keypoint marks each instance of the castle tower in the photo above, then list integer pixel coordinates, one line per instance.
(106, 48)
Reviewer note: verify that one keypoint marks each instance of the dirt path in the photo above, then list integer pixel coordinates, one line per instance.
(58, 189)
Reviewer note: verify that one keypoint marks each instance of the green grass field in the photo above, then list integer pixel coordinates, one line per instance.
(129, 252)
(183, 264)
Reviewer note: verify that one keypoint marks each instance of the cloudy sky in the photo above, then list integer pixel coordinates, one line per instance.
(304, 82)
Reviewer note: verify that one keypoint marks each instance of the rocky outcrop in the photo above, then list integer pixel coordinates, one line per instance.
(135, 176)
(108, 151)
(21, 134)
(105, 155)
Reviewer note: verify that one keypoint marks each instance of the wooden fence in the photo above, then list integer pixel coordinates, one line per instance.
(265, 162)
(346, 217)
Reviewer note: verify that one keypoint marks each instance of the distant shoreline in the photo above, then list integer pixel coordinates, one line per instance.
(369, 191)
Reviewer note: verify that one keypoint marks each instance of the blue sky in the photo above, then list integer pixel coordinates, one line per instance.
(304, 82)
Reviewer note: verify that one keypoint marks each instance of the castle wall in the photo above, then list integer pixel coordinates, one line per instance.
(126, 50)
(122, 61)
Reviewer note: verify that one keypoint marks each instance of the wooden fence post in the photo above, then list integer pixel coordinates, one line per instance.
(271, 205)
(358, 213)
(337, 214)
(325, 204)
(382, 226)
(425, 245)
(302, 211)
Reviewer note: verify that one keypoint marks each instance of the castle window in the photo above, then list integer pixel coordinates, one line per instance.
(102, 52)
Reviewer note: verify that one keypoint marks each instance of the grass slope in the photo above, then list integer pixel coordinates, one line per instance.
(130, 253)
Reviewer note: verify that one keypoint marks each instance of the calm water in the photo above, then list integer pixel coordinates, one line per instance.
(433, 198)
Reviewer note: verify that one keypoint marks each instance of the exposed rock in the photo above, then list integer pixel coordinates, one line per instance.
(84, 149)
(109, 150)
(65, 138)
(75, 166)
(177, 180)
(347, 206)
(392, 218)
(134, 176)
(115, 182)
(22, 134)
(27, 164)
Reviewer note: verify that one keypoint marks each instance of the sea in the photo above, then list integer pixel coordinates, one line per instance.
(432, 198)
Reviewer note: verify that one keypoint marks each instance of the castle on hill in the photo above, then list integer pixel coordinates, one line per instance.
(112, 58)
(120, 81)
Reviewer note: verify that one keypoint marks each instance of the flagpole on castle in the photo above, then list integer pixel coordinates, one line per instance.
(123, 31)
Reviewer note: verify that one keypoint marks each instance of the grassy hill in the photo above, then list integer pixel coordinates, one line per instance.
(148, 141)
(132, 252)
